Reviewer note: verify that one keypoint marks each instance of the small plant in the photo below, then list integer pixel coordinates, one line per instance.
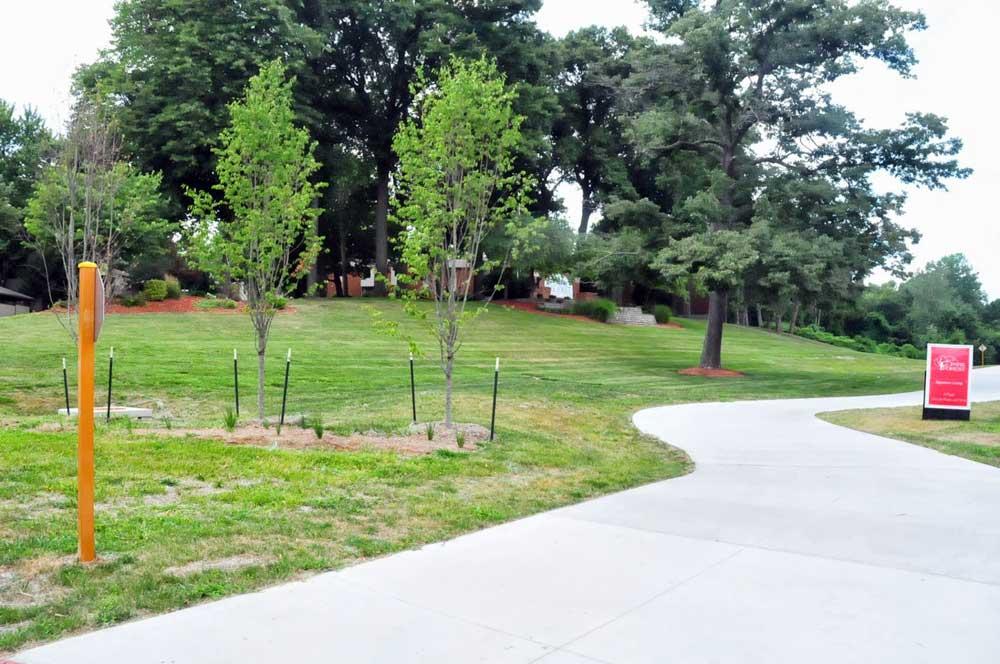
(168, 423)
(229, 420)
(662, 313)
(216, 303)
(173, 288)
(155, 290)
(266, 423)
(460, 438)
(317, 426)
(133, 300)
(430, 431)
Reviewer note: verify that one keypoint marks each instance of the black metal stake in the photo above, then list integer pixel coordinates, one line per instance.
(413, 391)
(284, 395)
(496, 382)
(111, 370)
(236, 382)
(66, 386)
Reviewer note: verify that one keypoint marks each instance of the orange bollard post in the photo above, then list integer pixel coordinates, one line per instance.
(85, 413)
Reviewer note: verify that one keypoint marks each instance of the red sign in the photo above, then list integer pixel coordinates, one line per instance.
(949, 376)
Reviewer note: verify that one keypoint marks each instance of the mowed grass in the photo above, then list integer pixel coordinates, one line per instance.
(567, 392)
(977, 439)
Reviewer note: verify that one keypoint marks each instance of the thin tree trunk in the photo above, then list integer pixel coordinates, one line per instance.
(793, 323)
(449, 365)
(382, 227)
(777, 322)
(760, 317)
(261, 350)
(711, 353)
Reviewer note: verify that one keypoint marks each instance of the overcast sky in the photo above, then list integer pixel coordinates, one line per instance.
(43, 41)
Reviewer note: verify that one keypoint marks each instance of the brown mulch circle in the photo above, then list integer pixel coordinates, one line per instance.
(187, 304)
(414, 443)
(712, 373)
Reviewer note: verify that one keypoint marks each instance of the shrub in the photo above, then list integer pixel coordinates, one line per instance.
(317, 425)
(278, 302)
(460, 438)
(662, 313)
(155, 290)
(173, 288)
(216, 303)
(599, 309)
(430, 431)
(133, 300)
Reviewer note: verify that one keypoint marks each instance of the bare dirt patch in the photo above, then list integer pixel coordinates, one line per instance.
(414, 442)
(230, 564)
(29, 583)
(711, 373)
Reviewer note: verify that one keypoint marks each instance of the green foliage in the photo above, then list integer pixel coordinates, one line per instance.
(430, 431)
(229, 420)
(134, 299)
(262, 231)
(460, 439)
(599, 309)
(457, 183)
(173, 288)
(860, 343)
(316, 424)
(212, 302)
(662, 313)
(155, 290)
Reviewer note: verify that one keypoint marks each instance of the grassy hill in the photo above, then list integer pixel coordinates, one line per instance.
(182, 520)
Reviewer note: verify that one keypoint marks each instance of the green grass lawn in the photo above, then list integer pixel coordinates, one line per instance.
(977, 439)
(567, 391)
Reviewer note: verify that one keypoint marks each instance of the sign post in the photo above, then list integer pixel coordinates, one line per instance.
(948, 383)
(982, 355)
(91, 316)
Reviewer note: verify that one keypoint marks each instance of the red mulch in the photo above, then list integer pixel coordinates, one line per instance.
(711, 373)
(185, 305)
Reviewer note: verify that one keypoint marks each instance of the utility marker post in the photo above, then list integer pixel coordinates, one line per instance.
(91, 315)
(111, 370)
(982, 354)
(236, 382)
(413, 391)
(496, 382)
(66, 386)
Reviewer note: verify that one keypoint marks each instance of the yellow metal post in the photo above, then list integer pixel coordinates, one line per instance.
(85, 412)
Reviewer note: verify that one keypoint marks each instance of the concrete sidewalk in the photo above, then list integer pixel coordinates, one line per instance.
(793, 541)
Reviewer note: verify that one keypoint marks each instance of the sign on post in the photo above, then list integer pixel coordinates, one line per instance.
(948, 382)
(982, 351)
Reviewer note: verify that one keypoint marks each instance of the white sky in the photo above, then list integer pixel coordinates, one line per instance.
(43, 41)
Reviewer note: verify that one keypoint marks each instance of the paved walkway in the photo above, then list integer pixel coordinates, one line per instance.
(793, 541)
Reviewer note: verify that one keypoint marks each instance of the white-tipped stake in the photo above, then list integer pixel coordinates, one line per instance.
(497, 368)
(64, 364)
(289, 358)
(234, 353)
(411, 357)
(111, 354)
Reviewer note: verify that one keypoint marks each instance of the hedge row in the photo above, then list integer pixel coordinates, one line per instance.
(860, 343)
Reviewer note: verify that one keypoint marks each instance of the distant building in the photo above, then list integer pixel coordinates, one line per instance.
(12, 302)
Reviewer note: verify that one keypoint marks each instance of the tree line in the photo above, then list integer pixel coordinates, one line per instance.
(711, 157)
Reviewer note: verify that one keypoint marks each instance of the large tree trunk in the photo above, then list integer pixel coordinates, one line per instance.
(344, 267)
(793, 323)
(711, 352)
(588, 210)
(261, 350)
(382, 227)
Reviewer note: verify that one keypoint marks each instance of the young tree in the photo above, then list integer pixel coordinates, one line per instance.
(92, 205)
(743, 83)
(262, 231)
(457, 183)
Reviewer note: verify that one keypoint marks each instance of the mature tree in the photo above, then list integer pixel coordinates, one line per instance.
(26, 146)
(374, 51)
(174, 65)
(457, 183)
(93, 206)
(262, 231)
(589, 145)
(743, 83)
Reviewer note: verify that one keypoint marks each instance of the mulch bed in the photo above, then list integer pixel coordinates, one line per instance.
(532, 308)
(711, 373)
(185, 305)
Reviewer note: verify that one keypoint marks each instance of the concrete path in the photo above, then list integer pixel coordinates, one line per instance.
(793, 541)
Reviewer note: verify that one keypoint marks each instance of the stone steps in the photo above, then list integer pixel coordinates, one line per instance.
(633, 316)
